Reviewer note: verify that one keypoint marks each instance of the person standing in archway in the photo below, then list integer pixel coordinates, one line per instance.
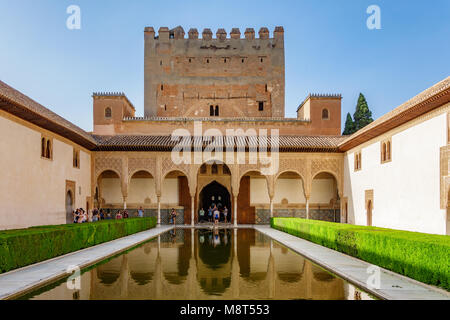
(210, 214)
(216, 215)
(201, 214)
(173, 216)
(225, 214)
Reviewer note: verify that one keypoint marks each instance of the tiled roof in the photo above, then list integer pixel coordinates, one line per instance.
(217, 119)
(26, 108)
(431, 98)
(165, 143)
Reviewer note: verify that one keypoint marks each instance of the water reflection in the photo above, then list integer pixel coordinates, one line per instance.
(206, 264)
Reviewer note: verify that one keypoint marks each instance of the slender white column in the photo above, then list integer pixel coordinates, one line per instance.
(271, 207)
(124, 203)
(159, 210)
(307, 207)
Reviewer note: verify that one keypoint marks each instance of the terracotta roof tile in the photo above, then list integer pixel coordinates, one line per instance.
(166, 143)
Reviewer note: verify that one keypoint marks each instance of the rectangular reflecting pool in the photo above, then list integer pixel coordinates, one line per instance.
(204, 264)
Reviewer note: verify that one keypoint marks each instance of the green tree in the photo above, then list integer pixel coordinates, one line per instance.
(349, 125)
(362, 116)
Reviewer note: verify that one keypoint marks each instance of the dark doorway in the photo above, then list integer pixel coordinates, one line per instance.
(215, 193)
(69, 207)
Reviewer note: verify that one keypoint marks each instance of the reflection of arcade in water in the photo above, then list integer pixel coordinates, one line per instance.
(207, 264)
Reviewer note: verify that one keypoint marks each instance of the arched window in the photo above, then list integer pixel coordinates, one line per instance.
(108, 112)
(203, 169)
(388, 151)
(43, 147)
(214, 169)
(357, 161)
(217, 111)
(76, 158)
(325, 114)
(48, 153)
(211, 111)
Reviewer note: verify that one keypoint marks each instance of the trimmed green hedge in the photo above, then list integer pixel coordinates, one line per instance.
(421, 256)
(22, 247)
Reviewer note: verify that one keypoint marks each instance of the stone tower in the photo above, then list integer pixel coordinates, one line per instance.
(214, 77)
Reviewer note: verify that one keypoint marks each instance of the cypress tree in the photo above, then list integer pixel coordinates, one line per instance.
(349, 125)
(362, 116)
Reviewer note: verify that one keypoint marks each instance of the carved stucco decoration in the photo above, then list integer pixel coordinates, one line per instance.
(141, 164)
(332, 166)
(104, 164)
(294, 165)
(167, 165)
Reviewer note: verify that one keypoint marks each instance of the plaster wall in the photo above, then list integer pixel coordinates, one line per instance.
(406, 190)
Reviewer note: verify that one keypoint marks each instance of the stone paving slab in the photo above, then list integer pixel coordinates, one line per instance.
(16, 282)
(393, 286)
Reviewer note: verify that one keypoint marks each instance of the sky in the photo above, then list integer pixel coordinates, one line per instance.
(328, 47)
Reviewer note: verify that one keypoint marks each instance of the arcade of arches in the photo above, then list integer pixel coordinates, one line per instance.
(307, 185)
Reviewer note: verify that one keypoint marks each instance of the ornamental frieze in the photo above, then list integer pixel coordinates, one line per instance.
(103, 164)
(145, 164)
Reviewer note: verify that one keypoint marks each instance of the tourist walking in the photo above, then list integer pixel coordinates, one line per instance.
(94, 215)
(225, 214)
(140, 213)
(173, 216)
(119, 215)
(125, 214)
(216, 215)
(75, 216)
(210, 214)
(201, 214)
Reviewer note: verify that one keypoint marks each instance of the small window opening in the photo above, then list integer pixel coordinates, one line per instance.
(325, 114)
(261, 105)
(217, 111)
(108, 112)
(43, 147)
(48, 153)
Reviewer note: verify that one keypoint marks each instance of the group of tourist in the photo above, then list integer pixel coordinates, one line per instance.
(215, 213)
(81, 216)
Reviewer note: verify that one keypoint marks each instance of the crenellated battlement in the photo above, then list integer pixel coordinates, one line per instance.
(195, 72)
(177, 33)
